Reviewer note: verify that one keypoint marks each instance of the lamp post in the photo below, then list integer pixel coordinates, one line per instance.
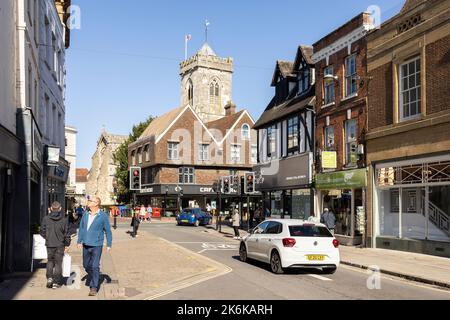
(115, 212)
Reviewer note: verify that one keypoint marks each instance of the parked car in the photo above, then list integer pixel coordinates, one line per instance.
(194, 216)
(291, 244)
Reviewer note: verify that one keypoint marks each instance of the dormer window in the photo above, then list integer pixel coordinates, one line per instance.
(303, 80)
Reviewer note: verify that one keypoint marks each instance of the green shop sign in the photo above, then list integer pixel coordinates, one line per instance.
(342, 179)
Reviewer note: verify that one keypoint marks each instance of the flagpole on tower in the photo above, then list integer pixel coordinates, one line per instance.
(186, 39)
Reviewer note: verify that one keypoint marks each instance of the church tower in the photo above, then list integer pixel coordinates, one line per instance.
(206, 83)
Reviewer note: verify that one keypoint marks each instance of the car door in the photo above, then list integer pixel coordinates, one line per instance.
(268, 239)
(253, 240)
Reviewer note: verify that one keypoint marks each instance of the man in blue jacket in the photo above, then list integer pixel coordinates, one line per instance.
(93, 226)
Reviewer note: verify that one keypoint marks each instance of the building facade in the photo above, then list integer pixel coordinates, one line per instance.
(22, 152)
(186, 150)
(80, 186)
(341, 126)
(284, 173)
(102, 175)
(408, 138)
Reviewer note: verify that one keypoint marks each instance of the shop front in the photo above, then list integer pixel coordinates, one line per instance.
(56, 183)
(286, 187)
(343, 193)
(412, 205)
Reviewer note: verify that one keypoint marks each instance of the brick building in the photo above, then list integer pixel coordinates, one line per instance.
(341, 104)
(408, 140)
(184, 151)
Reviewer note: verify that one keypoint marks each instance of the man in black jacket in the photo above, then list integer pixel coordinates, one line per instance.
(55, 230)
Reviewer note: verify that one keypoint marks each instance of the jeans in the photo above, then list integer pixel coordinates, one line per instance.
(91, 263)
(54, 264)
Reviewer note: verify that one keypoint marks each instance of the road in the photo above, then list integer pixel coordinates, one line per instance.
(254, 281)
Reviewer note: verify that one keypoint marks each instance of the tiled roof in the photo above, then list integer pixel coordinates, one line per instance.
(81, 174)
(283, 67)
(161, 123)
(410, 4)
(283, 110)
(222, 125)
(306, 52)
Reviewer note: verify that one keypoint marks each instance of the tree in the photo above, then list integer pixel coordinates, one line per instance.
(121, 159)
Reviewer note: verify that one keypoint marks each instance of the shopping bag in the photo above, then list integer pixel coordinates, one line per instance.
(66, 265)
(39, 248)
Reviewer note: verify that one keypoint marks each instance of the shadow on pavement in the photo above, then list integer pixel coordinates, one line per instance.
(12, 284)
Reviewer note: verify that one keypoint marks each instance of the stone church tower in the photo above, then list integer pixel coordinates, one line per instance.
(206, 83)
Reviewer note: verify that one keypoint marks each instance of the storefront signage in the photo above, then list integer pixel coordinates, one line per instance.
(286, 173)
(342, 179)
(147, 190)
(329, 159)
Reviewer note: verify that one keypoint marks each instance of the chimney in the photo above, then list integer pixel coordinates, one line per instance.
(230, 108)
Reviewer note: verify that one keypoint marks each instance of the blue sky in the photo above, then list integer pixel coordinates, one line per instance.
(123, 64)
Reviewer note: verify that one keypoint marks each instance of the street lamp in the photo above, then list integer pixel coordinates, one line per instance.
(115, 212)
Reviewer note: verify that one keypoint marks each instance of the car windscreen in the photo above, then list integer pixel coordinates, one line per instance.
(309, 231)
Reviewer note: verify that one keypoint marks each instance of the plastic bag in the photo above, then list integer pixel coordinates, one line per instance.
(66, 265)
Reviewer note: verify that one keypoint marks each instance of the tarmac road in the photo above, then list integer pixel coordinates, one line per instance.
(254, 281)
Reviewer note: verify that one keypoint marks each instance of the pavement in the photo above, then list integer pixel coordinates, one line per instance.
(148, 267)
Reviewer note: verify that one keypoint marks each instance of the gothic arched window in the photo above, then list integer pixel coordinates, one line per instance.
(214, 95)
(190, 93)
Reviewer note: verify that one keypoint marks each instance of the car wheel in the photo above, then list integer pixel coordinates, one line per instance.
(329, 270)
(196, 223)
(275, 263)
(243, 253)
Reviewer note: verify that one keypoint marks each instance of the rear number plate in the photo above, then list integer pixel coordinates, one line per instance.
(315, 257)
(185, 221)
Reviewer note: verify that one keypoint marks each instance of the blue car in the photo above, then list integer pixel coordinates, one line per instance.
(194, 216)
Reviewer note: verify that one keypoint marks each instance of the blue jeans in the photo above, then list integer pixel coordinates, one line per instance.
(91, 263)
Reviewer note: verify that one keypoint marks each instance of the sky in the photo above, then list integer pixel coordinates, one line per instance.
(123, 63)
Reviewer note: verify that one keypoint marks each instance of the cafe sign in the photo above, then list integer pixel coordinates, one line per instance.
(342, 179)
(329, 159)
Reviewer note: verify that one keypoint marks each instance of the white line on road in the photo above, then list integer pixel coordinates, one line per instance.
(319, 277)
(201, 251)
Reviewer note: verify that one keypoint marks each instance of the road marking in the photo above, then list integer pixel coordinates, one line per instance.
(201, 251)
(319, 277)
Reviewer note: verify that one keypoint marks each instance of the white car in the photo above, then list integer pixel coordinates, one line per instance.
(292, 244)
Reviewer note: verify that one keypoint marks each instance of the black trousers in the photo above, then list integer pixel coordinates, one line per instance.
(236, 231)
(54, 264)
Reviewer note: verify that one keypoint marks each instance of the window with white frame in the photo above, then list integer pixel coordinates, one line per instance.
(173, 150)
(133, 157)
(245, 132)
(139, 154)
(147, 152)
(254, 154)
(235, 153)
(271, 140)
(186, 175)
(292, 134)
(351, 143)
(410, 94)
(203, 152)
(329, 138)
(328, 86)
(351, 86)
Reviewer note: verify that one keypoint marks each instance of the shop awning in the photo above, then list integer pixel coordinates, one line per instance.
(349, 179)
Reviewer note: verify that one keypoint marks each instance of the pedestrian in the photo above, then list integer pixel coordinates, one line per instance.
(93, 227)
(74, 223)
(250, 218)
(135, 224)
(329, 220)
(79, 210)
(149, 212)
(257, 216)
(236, 222)
(208, 208)
(55, 231)
(142, 213)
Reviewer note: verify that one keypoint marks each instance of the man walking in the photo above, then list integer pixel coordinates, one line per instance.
(329, 220)
(55, 231)
(149, 212)
(236, 222)
(93, 226)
